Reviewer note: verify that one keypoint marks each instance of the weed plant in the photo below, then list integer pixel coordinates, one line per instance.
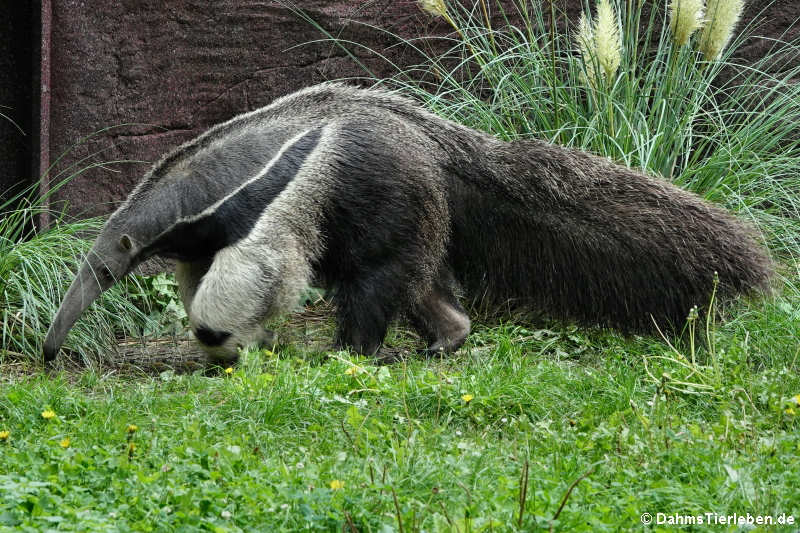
(626, 86)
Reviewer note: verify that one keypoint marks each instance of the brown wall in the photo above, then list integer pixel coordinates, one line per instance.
(181, 66)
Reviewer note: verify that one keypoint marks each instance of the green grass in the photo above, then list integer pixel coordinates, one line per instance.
(258, 450)
(37, 265)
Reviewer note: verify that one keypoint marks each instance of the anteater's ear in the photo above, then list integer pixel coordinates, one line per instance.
(126, 242)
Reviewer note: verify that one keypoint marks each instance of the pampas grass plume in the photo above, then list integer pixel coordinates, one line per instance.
(585, 39)
(599, 43)
(722, 18)
(437, 8)
(685, 18)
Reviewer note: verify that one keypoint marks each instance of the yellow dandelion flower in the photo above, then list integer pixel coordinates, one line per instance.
(336, 484)
(64, 442)
(685, 18)
(132, 428)
(796, 399)
(723, 15)
(467, 398)
(229, 371)
(48, 414)
(4, 435)
(131, 448)
(789, 411)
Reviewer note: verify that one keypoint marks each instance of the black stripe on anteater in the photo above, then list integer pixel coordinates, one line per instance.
(210, 337)
(235, 217)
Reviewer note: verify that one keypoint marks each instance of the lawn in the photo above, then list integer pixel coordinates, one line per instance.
(524, 429)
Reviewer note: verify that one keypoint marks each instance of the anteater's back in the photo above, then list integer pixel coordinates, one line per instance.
(568, 233)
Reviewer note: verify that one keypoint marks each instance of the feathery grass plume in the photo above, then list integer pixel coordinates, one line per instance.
(722, 18)
(607, 39)
(599, 43)
(437, 8)
(585, 39)
(685, 18)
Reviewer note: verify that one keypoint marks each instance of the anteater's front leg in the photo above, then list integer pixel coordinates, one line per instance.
(227, 299)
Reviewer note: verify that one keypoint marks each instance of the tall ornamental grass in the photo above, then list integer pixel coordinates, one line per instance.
(37, 266)
(660, 91)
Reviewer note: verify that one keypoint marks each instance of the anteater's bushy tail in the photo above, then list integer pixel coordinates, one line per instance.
(578, 237)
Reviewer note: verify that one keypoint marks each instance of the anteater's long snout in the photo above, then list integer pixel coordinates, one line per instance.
(85, 289)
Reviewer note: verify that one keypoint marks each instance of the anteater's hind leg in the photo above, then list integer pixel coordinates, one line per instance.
(440, 319)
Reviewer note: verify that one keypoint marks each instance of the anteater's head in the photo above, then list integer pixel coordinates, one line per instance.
(201, 198)
(112, 256)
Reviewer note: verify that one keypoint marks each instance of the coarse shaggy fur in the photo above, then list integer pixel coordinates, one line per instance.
(399, 212)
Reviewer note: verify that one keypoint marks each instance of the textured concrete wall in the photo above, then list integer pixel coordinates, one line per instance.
(181, 66)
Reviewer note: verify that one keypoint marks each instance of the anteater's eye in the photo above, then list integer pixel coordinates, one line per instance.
(104, 274)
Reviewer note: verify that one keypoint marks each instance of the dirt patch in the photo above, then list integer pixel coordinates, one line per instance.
(307, 334)
(153, 356)
(308, 331)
